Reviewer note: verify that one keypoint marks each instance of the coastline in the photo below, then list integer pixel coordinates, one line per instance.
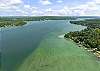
(80, 37)
(97, 53)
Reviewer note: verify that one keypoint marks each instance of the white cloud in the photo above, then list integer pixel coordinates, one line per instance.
(27, 6)
(59, 1)
(90, 8)
(48, 10)
(17, 7)
(97, 1)
(10, 2)
(87, 9)
(45, 2)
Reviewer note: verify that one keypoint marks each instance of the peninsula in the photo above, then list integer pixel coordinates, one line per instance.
(89, 37)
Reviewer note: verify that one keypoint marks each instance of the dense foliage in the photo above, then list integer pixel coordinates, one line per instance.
(12, 23)
(89, 37)
(92, 23)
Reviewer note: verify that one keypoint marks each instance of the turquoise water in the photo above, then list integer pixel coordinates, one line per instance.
(58, 54)
(20, 42)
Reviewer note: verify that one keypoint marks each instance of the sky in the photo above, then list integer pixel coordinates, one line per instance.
(49, 7)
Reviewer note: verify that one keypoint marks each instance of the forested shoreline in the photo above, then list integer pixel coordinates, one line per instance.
(89, 37)
(12, 23)
(19, 21)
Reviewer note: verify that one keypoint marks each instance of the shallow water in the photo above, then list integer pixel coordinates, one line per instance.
(55, 54)
(18, 43)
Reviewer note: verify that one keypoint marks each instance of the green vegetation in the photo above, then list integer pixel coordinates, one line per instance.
(37, 18)
(19, 21)
(89, 37)
(12, 23)
(91, 23)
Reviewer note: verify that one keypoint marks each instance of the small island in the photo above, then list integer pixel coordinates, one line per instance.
(89, 37)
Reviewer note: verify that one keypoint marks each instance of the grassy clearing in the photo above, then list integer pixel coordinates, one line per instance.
(54, 54)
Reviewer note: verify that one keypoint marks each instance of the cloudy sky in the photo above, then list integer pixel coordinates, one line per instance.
(50, 7)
